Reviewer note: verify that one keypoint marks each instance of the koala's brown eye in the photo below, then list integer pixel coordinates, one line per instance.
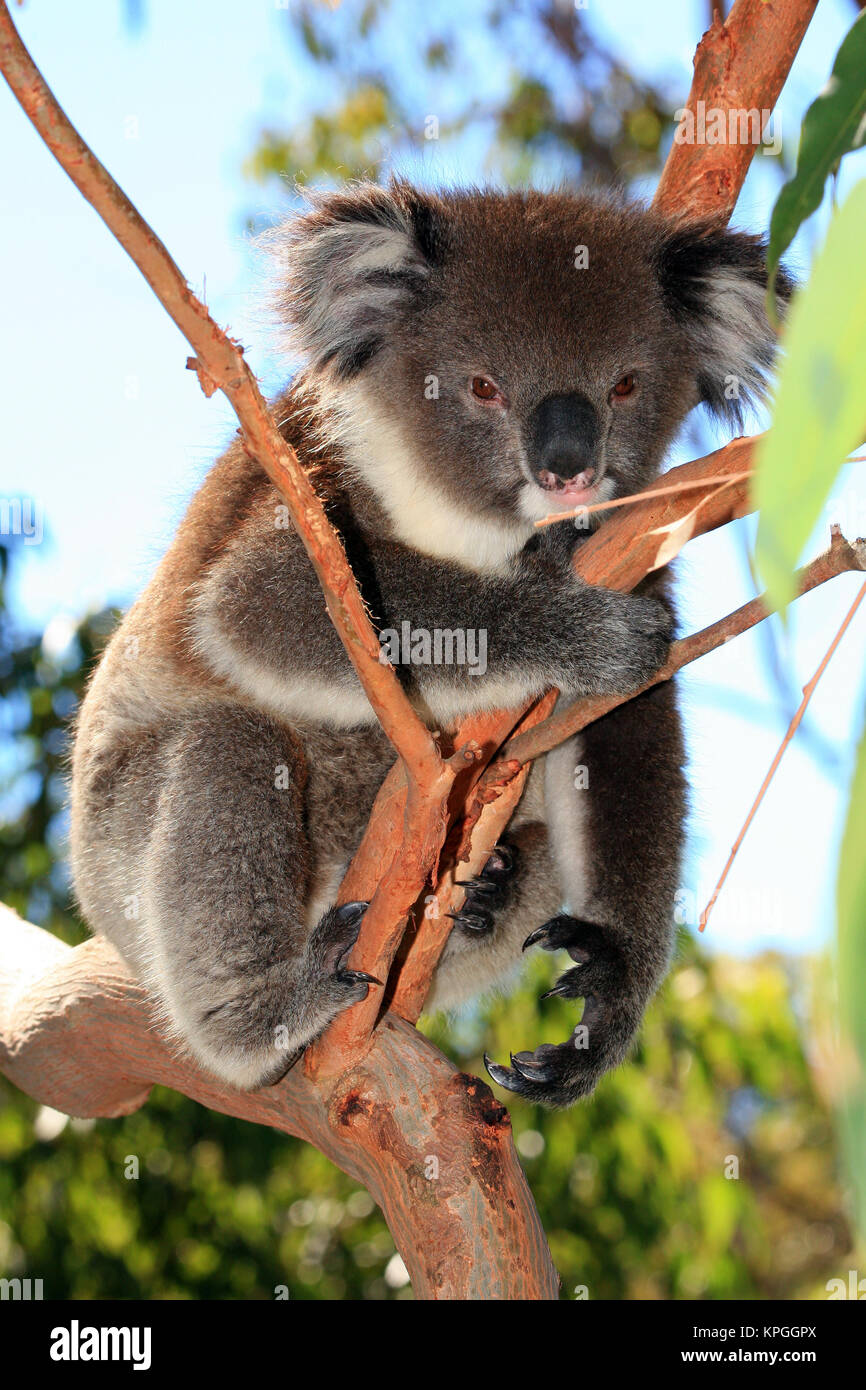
(624, 386)
(483, 389)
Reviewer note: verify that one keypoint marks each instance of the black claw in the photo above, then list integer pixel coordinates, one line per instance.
(484, 894)
(478, 886)
(350, 912)
(561, 1073)
(535, 1078)
(552, 934)
(558, 991)
(501, 1075)
(357, 976)
(554, 1074)
(581, 939)
(477, 919)
(528, 1067)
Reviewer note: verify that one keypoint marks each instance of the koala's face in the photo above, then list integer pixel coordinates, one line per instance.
(512, 355)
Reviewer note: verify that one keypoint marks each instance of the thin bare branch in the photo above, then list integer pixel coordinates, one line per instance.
(553, 518)
(808, 692)
(220, 364)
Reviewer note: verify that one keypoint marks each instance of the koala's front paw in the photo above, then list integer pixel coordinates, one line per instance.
(561, 1073)
(486, 894)
(633, 638)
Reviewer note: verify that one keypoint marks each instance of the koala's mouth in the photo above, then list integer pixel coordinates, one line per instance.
(580, 491)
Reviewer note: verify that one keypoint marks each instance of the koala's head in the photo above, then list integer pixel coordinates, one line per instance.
(488, 358)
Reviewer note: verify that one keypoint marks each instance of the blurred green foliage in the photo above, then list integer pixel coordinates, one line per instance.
(529, 80)
(41, 682)
(702, 1169)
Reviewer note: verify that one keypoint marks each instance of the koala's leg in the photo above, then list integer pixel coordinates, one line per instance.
(619, 789)
(243, 979)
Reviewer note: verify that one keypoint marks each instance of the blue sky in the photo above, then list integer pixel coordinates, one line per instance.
(109, 434)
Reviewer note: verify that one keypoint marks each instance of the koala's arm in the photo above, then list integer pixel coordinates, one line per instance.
(542, 625)
(260, 619)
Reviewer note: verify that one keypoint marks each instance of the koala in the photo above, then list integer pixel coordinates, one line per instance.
(471, 361)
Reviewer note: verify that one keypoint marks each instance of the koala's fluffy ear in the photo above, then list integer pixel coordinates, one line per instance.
(715, 283)
(349, 267)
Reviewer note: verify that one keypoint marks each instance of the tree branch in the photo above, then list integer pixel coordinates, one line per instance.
(808, 692)
(431, 1144)
(740, 65)
(574, 517)
(479, 828)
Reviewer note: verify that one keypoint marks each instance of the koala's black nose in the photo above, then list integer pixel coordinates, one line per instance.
(564, 437)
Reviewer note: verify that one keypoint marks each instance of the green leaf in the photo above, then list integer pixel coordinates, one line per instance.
(834, 124)
(820, 414)
(851, 955)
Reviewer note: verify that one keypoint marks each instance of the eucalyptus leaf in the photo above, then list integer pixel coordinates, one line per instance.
(834, 124)
(820, 414)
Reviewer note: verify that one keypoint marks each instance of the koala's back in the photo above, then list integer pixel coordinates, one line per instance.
(155, 688)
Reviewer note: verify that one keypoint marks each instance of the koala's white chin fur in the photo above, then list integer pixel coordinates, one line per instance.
(422, 516)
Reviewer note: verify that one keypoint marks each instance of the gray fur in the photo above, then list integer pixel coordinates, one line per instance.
(226, 758)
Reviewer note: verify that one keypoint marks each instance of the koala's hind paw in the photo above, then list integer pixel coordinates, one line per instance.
(324, 986)
(486, 894)
(560, 1073)
(329, 946)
